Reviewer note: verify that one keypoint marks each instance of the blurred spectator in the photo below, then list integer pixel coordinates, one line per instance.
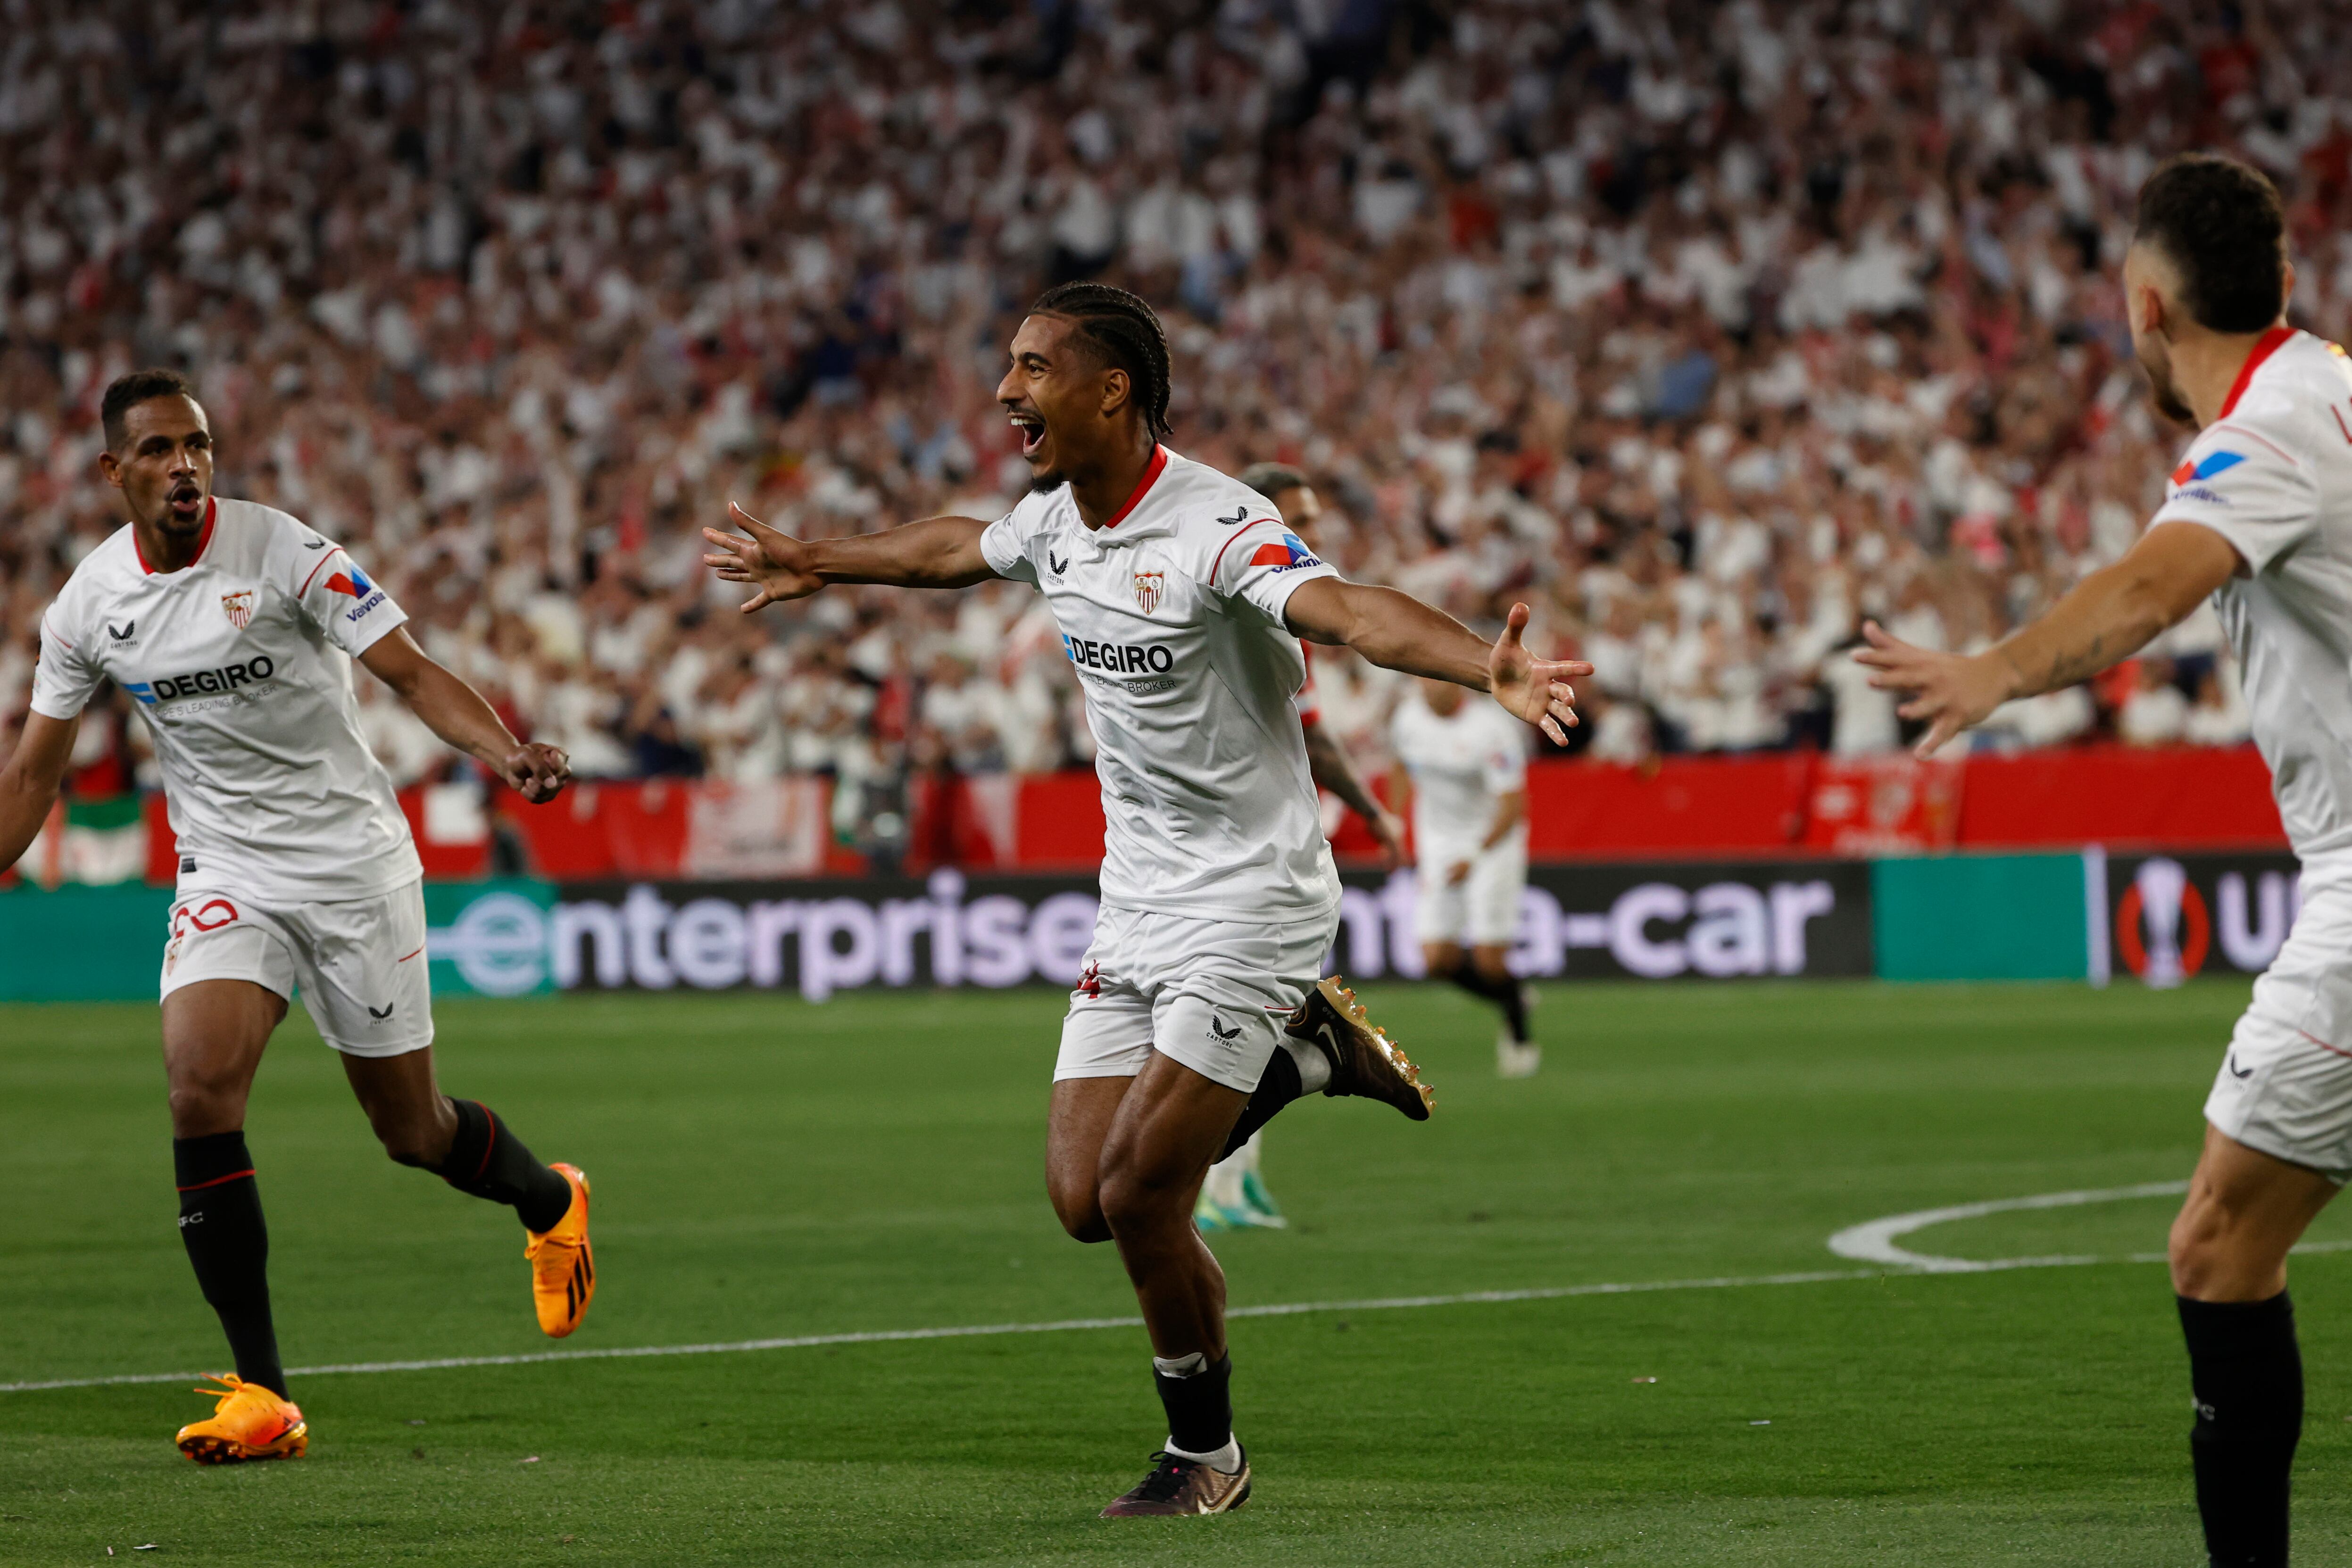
(1706, 331)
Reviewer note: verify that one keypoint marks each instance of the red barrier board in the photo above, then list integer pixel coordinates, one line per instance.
(2184, 796)
(1779, 803)
(1061, 821)
(1698, 805)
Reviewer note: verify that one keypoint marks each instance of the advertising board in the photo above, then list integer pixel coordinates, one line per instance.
(1644, 921)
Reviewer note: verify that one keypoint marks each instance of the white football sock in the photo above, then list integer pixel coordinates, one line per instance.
(1314, 1066)
(1225, 1461)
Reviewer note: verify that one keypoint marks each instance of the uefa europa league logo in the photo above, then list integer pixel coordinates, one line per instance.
(2160, 884)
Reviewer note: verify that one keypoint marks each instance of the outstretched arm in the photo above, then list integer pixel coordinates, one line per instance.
(1399, 631)
(456, 713)
(938, 553)
(29, 785)
(2106, 618)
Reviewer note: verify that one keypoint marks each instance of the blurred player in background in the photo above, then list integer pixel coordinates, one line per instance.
(235, 626)
(1234, 1196)
(2258, 517)
(1201, 1012)
(1467, 778)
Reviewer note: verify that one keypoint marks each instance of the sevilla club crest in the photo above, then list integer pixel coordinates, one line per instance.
(238, 608)
(1147, 588)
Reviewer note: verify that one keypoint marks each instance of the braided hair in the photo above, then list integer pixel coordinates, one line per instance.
(1126, 332)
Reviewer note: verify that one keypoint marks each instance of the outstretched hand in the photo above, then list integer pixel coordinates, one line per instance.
(777, 563)
(1532, 689)
(1950, 690)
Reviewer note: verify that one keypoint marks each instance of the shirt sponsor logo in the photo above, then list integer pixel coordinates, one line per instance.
(1118, 658)
(238, 608)
(355, 585)
(2205, 468)
(203, 683)
(1289, 555)
(1148, 587)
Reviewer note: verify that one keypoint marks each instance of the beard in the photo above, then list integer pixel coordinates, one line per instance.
(2164, 392)
(1046, 483)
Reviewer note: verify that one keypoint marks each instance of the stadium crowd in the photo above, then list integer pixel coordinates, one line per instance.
(1707, 329)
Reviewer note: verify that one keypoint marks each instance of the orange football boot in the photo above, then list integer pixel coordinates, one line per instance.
(250, 1423)
(563, 1269)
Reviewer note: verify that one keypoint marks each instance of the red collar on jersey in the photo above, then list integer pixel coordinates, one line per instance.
(1151, 472)
(212, 514)
(2265, 347)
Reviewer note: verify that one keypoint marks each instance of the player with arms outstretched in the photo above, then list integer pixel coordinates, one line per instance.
(1181, 599)
(2258, 517)
(235, 626)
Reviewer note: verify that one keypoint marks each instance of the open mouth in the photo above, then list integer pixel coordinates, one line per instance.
(186, 501)
(1032, 427)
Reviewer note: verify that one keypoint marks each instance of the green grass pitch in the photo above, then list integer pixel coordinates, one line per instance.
(767, 1168)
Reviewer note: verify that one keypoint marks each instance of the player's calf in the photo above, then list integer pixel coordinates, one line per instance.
(228, 1245)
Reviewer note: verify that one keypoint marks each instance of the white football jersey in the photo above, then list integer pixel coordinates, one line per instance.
(239, 662)
(1460, 762)
(2273, 475)
(1172, 613)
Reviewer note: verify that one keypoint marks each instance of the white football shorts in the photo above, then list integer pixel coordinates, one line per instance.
(2285, 1084)
(1211, 994)
(1482, 909)
(358, 964)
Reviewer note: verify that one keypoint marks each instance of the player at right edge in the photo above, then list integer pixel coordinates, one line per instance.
(2258, 517)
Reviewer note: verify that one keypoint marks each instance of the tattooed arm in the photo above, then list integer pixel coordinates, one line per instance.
(2108, 616)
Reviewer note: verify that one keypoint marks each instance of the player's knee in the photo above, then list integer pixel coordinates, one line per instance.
(1130, 1201)
(2207, 1254)
(204, 1105)
(1081, 1216)
(1492, 964)
(2198, 1252)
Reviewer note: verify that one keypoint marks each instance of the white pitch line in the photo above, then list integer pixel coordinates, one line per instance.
(1874, 1242)
(883, 1336)
(1878, 1234)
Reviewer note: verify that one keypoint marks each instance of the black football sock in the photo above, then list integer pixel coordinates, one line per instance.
(1505, 993)
(221, 1225)
(2247, 1374)
(1198, 1399)
(1277, 1088)
(486, 1160)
